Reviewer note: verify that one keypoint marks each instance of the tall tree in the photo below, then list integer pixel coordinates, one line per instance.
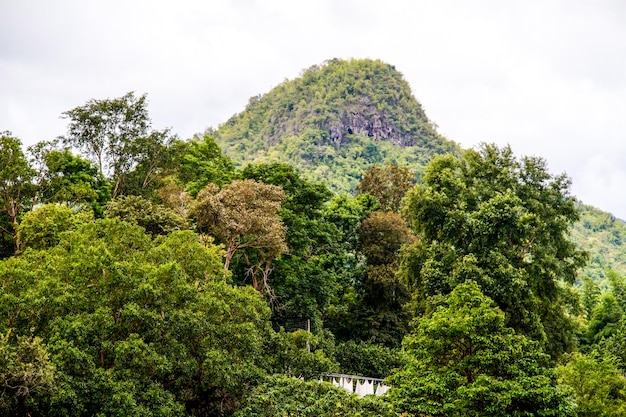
(305, 281)
(116, 134)
(66, 178)
(119, 324)
(464, 361)
(244, 216)
(504, 222)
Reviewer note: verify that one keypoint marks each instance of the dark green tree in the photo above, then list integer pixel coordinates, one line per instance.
(464, 361)
(16, 190)
(305, 279)
(504, 222)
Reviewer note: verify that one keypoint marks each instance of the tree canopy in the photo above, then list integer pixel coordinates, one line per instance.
(503, 222)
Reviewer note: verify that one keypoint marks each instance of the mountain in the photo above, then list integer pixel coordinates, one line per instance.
(339, 118)
(335, 121)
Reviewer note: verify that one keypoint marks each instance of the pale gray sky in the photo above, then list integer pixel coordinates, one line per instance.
(547, 77)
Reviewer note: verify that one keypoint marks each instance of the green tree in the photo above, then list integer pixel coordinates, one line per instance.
(156, 219)
(69, 179)
(41, 228)
(505, 223)
(378, 314)
(464, 361)
(381, 236)
(136, 326)
(200, 162)
(590, 295)
(26, 372)
(605, 318)
(305, 279)
(116, 134)
(369, 359)
(598, 384)
(16, 188)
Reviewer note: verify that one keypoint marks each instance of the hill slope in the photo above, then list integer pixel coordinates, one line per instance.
(604, 237)
(334, 122)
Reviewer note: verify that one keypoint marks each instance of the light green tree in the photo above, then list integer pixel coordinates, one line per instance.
(135, 326)
(597, 383)
(116, 135)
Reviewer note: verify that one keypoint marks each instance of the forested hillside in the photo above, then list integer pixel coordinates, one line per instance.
(334, 122)
(604, 237)
(145, 275)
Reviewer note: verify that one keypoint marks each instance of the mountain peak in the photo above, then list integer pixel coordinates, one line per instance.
(341, 109)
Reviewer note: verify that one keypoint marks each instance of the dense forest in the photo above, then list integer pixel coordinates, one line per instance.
(326, 229)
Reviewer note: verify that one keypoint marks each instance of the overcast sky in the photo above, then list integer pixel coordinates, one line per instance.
(547, 77)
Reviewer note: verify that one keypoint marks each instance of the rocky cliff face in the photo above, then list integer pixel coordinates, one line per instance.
(364, 118)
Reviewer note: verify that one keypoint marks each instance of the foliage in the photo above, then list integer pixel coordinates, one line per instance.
(244, 217)
(135, 326)
(388, 183)
(381, 236)
(314, 246)
(364, 358)
(116, 134)
(69, 179)
(605, 318)
(26, 372)
(301, 354)
(285, 396)
(598, 385)
(16, 189)
(154, 218)
(603, 236)
(334, 122)
(200, 162)
(503, 222)
(42, 227)
(615, 345)
(464, 361)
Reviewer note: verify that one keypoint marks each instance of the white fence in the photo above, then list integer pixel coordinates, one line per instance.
(359, 385)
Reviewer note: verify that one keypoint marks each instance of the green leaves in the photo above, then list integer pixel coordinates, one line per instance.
(464, 361)
(503, 222)
(134, 326)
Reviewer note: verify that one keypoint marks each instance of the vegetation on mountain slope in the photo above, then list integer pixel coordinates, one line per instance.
(334, 122)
